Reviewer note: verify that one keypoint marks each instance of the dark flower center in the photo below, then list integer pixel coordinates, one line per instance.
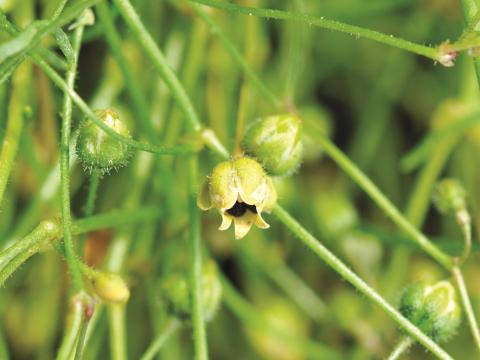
(241, 208)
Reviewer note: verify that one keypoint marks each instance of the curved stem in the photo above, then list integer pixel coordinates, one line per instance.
(343, 270)
(352, 30)
(82, 105)
(77, 282)
(467, 305)
(157, 344)
(90, 203)
(402, 346)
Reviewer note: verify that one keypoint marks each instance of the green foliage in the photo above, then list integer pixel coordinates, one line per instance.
(359, 105)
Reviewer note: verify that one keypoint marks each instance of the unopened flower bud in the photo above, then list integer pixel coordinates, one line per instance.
(240, 190)
(111, 288)
(99, 151)
(434, 309)
(177, 294)
(276, 142)
(449, 196)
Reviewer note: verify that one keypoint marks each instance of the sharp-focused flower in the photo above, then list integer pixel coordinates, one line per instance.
(240, 190)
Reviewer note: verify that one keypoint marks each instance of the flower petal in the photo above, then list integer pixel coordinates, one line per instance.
(243, 224)
(226, 221)
(223, 187)
(203, 198)
(260, 222)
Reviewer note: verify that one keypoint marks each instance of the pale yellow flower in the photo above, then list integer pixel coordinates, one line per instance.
(240, 190)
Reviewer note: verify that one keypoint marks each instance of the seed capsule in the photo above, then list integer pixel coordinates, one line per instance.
(276, 142)
(176, 292)
(99, 151)
(434, 309)
(111, 288)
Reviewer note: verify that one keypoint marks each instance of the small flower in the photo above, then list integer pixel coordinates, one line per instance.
(111, 288)
(240, 190)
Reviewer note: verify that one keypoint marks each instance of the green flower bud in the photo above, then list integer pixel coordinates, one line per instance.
(99, 151)
(276, 142)
(111, 288)
(177, 295)
(240, 190)
(434, 309)
(449, 196)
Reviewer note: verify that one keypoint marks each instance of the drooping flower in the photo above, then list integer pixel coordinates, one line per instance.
(240, 190)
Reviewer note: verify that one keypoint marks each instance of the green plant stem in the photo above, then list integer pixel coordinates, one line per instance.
(198, 320)
(68, 15)
(237, 57)
(248, 314)
(73, 328)
(384, 203)
(467, 305)
(313, 244)
(18, 100)
(50, 230)
(356, 31)
(156, 57)
(158, 60)
(416, 211)
(117, 325)
(470, 12)
(90, 203)
(172, 326)
(400, 349)
(114, 41)
(156, 149)
(77, 282)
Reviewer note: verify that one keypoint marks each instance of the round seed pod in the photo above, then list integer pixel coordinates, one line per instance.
(97, 150)
(434, 309)
(449, 196)
(276, 142)
(176, 293)
(111, 288)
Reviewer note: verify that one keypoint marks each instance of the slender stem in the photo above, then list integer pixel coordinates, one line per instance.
(18, 100)
(82, 105)
(172, 326)
(116, 316)
(384, 203)
(157, 58)
(90, 203)
(237, 57)
(131, 83)
(467, 305)
(199, 332)
(352, 30)
(77, 281)
(74, 324)
(50, 230)
(343, 270)
(400, 349)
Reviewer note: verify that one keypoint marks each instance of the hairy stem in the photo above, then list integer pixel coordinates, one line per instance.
(77, 282)
(335, 263)
(352, 30)
(400, 349)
